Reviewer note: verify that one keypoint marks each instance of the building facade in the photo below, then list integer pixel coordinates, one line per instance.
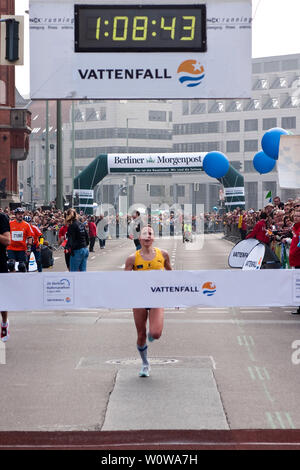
(234, 127)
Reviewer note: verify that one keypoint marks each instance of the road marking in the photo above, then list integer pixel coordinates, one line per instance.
(260, 372)
(245, 340)
(277, 421)
(266, 390)
(2, 353)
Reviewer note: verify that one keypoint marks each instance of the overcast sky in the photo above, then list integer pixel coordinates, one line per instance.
(275, 32)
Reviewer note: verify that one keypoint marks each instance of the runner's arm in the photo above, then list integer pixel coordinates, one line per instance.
(5, 238)
(129, 263)
(168, 266)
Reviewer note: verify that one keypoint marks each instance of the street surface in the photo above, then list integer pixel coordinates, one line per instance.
(217, 368)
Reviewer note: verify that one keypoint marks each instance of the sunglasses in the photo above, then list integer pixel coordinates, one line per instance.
(297, 205)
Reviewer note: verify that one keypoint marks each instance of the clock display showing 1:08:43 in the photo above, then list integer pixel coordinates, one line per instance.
(153, 28)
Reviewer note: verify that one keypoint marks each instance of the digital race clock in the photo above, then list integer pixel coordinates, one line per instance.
(140, 28)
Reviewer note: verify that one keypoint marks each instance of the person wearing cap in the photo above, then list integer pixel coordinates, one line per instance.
(269, 209)
(21, 239)
(36, 248)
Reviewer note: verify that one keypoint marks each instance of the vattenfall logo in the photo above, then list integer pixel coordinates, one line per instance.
(208, 289)
(191, 73)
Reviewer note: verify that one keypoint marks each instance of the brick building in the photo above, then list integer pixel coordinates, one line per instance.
(15, 127)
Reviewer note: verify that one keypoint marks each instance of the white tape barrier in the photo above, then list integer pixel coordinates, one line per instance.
(122, 289)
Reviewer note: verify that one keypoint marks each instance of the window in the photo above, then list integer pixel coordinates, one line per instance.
(233, 146)
(256, 68)
(217, 107)
(251, 125)
(180, 190)
(279, 82)
(197, 147)
(78, 116)
(273, 66)
(197, 107)
(91, 114)
(251, 145)
(234, 106)
(271, 103)
(157, 190)
(236, 164)
(251, 189)
(185, 108)
(261, 84)
(157, 116)
(248, 166)
(269, 123)
(2, 92)
(288, 122)
(269, 186)
(291, 64)
(233, 126)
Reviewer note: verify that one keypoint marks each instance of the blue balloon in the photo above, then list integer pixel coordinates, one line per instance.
(271, 140)
(215, 164)
(263, 163)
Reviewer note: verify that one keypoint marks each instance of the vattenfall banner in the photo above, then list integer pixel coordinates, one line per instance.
(124, 289)
(136, 49)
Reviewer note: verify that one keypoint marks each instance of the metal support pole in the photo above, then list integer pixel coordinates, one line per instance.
(59, 161)
(47, 175)
(73, 149)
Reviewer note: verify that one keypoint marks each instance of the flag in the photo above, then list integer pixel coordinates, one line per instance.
(269, 196)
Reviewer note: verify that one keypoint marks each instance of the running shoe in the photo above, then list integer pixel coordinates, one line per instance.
(4, 331)
(145, 370)
(150, 338)
(297, 312)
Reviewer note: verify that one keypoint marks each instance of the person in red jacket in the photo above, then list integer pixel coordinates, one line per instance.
(260, 231)
(294, 256)
(92, 232)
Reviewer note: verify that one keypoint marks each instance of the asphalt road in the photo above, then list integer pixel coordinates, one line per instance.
(218, 368)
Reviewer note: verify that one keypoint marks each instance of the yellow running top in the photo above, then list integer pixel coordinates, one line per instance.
(140, 264)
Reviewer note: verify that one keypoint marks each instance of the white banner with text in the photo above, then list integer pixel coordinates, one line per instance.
(128, 289)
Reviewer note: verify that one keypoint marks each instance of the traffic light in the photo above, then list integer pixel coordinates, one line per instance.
(29, 181)
(12, 40)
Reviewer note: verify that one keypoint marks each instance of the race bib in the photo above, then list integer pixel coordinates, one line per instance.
(17, 236)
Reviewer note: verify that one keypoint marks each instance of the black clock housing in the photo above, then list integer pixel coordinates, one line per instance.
(140, 28)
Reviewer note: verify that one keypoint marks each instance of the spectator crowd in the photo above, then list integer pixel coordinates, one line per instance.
(273, 225)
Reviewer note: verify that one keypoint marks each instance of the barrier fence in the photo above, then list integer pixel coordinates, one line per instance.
(128, 289)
